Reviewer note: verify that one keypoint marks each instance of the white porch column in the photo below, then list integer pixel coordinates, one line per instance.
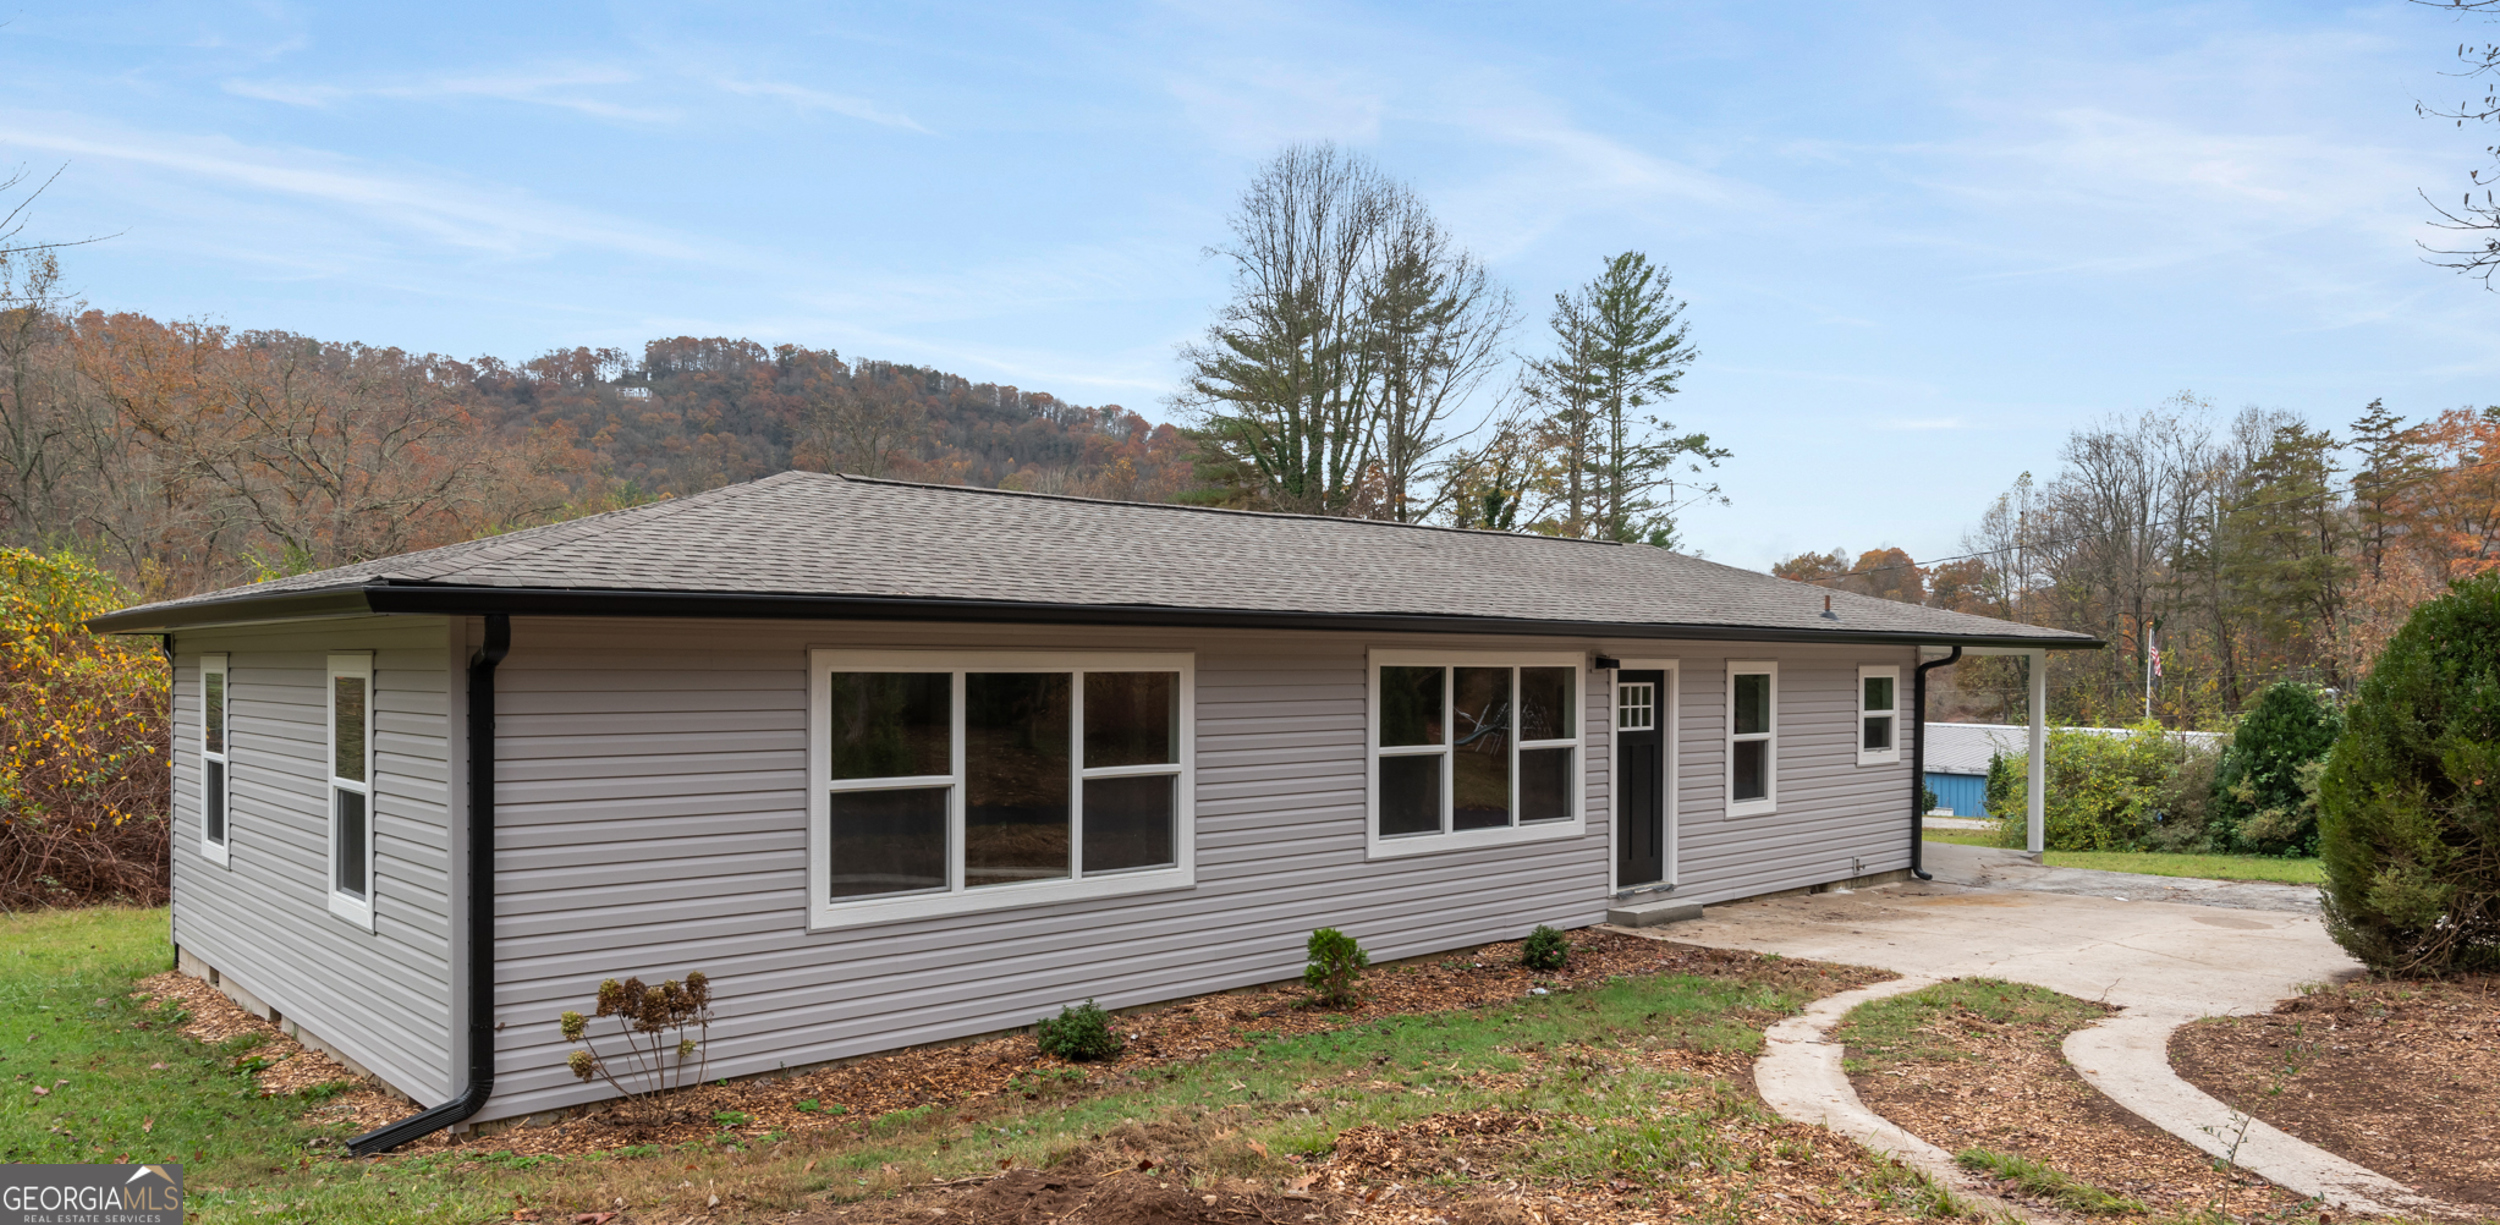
(2036, 789)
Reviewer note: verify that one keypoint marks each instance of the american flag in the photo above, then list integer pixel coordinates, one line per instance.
(2155, 646)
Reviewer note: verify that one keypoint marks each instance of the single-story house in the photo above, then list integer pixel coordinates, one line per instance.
(897, 763)
(1958, 755)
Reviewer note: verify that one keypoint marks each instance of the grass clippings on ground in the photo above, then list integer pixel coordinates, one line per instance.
(1974, 1066)
(2401, 1077)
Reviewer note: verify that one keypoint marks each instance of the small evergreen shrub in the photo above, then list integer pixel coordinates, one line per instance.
(2409, 802)
(2265, 797)
(1545, 949)
(1079, 1034)
(1335, 971)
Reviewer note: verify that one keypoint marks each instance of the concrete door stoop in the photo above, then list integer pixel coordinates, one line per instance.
(2163, 963)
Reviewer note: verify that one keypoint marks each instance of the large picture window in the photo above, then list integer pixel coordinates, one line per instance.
(1879, 715)
(216, 768)
(1468, 750)
(958, 781)
(350, 761)
(1753, 721)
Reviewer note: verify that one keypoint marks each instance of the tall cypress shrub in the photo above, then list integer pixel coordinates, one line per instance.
(2265, 799)
(2409, 807)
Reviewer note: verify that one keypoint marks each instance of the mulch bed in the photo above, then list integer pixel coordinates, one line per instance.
(1454, 1168)
(2015, 1093)
(852, 1094)
(2401, 1077)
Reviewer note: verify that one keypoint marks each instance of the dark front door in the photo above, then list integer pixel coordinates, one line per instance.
(1641, 778)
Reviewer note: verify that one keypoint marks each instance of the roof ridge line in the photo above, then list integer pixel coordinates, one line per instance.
(1205, 510)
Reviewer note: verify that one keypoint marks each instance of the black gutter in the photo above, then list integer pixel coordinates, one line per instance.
(1918, 764)
(481, 909)
(578, 602)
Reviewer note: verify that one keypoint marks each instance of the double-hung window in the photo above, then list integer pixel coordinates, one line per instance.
(1468, 750)
(1879, 715)
(350, 761)
(215, 766)
(958, 781)
(1753, 723)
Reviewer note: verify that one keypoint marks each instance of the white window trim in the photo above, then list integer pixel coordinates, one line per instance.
(1378, 847)
(1669, 722)
(1770, 801)
(1880, 757)
(219, 850)
(824, 914)
(347, 906)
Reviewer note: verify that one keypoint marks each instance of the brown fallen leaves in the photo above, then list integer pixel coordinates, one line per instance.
(2010, 1090)
(2402, 1077)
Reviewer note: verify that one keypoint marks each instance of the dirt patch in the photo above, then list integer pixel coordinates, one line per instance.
(2006, 1087)
(1121, 1197)
(864, 1089)
(2401, 1077)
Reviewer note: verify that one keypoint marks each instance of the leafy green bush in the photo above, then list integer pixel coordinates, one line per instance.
(2186, 802)
(1545, 949)
(2265, 798)
(1079, 1034)
(2105, 792)
(2409, 805)
(1335, 971)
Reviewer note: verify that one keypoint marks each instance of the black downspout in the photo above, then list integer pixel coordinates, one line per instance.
(1918, 765)
(481, 909)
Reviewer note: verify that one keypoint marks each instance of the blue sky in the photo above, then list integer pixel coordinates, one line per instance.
(1921, 242)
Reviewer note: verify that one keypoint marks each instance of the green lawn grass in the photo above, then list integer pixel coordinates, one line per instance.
(65, 1015)
(2162, 863)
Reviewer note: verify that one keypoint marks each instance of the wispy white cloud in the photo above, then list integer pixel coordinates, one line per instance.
(563, 88)
(448, 211)
(818, 100)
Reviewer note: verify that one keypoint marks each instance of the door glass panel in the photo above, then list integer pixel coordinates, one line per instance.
(1545, 703)
(886, 841)
(1015, 777)
(1410, 706)
(1753, 703)
(1752, 781)
(1128, 821)
(1545, 784)
(1132, 719)
(1637, 709)
(1410, 795)
(891, 725)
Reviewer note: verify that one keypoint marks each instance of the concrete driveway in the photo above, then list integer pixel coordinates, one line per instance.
(2063, 929)
(2197, 951)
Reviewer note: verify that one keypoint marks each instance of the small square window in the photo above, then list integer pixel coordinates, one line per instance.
(1879, 715)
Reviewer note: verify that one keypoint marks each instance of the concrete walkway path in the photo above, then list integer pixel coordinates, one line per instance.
(2163, 963)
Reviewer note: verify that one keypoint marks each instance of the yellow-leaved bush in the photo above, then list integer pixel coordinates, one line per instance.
(84, 785)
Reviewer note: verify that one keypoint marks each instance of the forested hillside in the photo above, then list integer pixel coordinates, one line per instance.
(184, 457)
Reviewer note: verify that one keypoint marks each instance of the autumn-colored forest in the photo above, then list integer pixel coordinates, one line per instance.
(2233, 552)
(185, 457)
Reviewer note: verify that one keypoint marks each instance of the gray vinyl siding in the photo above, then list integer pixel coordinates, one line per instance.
(383, 997)
(652, 815)
(651, 820)
(1835, 818)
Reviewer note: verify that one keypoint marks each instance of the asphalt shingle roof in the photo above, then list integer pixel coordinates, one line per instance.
(806, 534)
